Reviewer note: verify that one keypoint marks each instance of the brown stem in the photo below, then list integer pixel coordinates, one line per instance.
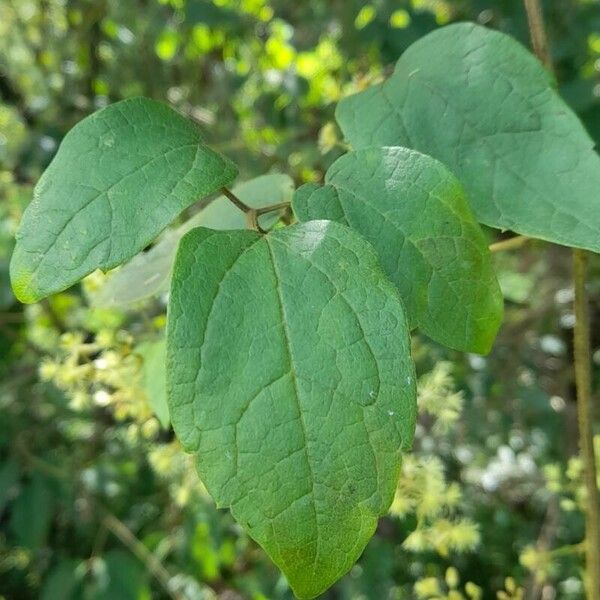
(582, 357)
(272, 208)
(235, 200)
(252, 221)
(583, 383)
(537, 32)
(252, 214)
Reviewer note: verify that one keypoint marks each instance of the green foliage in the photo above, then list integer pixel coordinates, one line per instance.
(84, 428)
(120, 177)
(480, 103)
(413, 211)
(289, 374)
(32, 513)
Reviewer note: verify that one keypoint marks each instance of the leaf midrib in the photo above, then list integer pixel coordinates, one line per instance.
(294, 378)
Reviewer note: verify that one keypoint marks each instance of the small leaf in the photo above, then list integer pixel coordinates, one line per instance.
(118, 179)
(149, 273)
(414, 212)
(479, 102)
(289, 374)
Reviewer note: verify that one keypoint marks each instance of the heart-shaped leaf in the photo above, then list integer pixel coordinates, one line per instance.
(414, 212)
(479, 102)
(290, 376)
(118, 179)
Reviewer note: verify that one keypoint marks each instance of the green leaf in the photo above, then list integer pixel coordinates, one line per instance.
(122, 578)
(154, 377)
(414, 212)
(9, 479)
(289, 374)
(118, 179)
(62, 581)
(149, 273)
(479, 102)
(32, 513)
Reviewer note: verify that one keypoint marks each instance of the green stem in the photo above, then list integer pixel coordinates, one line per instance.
(582, 358)
(510, 244)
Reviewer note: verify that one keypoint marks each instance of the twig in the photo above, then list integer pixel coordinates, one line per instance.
(252, 214)
(510, 244)
(154, 566)
(236, 201)
(272, 208)
(582, 358)
(583, 384)
(537, 32)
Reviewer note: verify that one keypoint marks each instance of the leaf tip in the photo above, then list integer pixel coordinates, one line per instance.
(23, 284)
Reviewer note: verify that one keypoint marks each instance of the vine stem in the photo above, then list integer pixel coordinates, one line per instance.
(511, 243)
(138, 549)
(235, 200)
(582, 357)
(252, 214)
(583, 383)
(537, 32)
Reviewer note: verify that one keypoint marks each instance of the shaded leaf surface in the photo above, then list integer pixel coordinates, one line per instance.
(414, 212)
(119, 178)
(479, 102)
(154, 377)
(149, 273)
(289, 374)
(32, 513)
(62, 582)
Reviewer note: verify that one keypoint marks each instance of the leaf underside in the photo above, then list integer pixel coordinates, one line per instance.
(414, 213)
(476, 100)
(154, 377)
(290, 376)
(118, 179)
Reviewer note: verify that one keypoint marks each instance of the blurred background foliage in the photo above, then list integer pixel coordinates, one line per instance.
(97, 500)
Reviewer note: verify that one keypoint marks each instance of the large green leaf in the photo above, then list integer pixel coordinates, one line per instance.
(479, 102)
(149, 273)
(414, 212)
(289, 374)
(118, 179)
